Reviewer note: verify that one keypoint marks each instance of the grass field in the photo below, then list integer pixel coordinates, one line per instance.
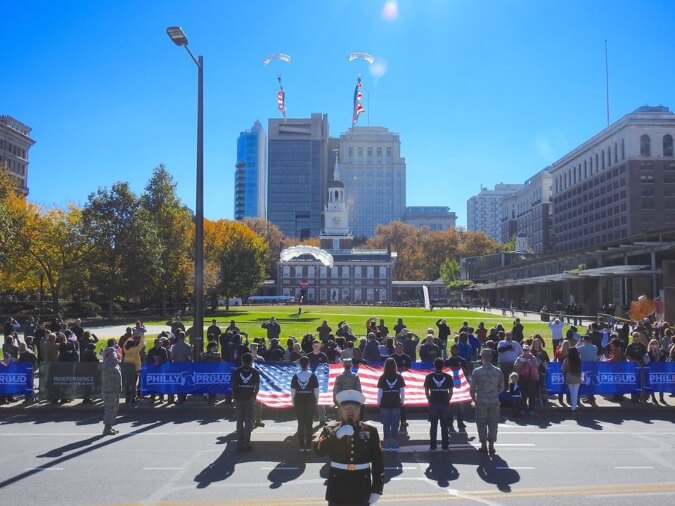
(249, 319)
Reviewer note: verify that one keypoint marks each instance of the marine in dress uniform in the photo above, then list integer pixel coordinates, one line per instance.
(356, 475)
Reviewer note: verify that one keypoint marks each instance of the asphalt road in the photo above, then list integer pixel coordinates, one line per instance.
(176, 458)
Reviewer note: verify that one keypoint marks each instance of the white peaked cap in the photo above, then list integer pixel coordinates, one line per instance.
(350, 396)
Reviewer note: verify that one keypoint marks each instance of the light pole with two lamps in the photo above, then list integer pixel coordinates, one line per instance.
(177, 35)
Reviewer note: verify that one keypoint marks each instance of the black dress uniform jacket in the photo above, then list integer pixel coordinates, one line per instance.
(352, 486)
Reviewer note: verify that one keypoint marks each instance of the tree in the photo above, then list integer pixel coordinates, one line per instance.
(11, 207)
(122, 256)
(449, 270)
(240, 255)
(175, 237)
(46, 242)
(275, 242)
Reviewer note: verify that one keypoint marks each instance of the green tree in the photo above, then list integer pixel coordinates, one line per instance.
(122, 256)
(240, 254)
(175, 238)
(449, 270)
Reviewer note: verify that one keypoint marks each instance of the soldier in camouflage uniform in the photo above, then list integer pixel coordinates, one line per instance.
(111, 385)
(487, 382)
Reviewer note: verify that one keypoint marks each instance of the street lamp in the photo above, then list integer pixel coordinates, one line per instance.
(177, 35)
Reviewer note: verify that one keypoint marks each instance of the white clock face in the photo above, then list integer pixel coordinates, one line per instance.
(336, 220)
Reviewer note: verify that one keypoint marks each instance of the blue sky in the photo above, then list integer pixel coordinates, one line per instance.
(481, 92)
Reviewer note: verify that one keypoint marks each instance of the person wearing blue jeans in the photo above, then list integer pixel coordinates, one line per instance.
(390, 398)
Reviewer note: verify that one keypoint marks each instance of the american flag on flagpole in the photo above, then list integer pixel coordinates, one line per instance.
(358, 108)
(275, 383)
(281, 98)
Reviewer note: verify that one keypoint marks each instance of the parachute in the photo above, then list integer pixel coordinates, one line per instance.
(295, 251)
(368, 57)
(277, 56)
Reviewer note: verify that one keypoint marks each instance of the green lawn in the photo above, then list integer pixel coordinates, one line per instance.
(249, 319)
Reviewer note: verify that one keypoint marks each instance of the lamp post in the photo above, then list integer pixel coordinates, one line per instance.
(179, 38)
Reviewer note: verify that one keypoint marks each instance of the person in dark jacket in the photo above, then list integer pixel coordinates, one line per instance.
(245, 387)
(443, 334)
(371, 353)
(273, 328)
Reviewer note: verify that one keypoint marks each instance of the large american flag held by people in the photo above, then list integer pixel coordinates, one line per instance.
(275, 383)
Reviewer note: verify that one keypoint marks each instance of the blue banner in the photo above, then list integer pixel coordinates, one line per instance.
(16, 379)
(601, 378)
(187, 378)
(660, 377)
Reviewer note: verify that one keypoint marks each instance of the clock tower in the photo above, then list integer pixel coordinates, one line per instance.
(336, 234)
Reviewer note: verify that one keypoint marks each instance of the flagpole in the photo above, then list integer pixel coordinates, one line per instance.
(607, 81)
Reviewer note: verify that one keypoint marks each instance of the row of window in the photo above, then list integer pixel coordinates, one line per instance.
(13, 166)
(646, 145)
(12, 148)
(343, 271)
(369, 151)
(340, 294)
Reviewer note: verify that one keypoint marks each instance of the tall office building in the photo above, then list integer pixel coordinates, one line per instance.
(527, 215)
(297, 171)
(483, 211)
(373, 173)
(15, 142)
(618, 184)
(250, 179)
(435, 218)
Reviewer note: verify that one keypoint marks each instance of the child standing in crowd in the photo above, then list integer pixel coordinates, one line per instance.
(514, 394)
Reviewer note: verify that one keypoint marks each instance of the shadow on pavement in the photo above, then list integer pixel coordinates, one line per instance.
(65, 458)
(57, 452)
(493, 469)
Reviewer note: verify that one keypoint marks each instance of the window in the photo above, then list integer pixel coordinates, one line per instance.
(370, 151)
(310, 271)
(351, 152)
(345, 272)
(389, 151)
(616, 154)
(668, 145)
(623, 150)
(360, 151)
(286, 271)
(370, 272)
(357, 272)
(379, 151)
(383, 273)
(334, 272)
(645, 146)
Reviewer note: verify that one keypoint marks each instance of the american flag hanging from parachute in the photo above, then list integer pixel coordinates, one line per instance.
(281, 98)
(275, 383)
(358, 108)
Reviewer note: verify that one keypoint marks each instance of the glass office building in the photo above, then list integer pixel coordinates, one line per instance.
(250, 180)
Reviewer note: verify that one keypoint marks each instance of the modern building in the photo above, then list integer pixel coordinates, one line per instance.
(15, 143)
(527, 215)
(297, 174)
(250, 179)
(336, 272)
(374, 175)
(483, 211)
(434, 218)
(618, 184)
